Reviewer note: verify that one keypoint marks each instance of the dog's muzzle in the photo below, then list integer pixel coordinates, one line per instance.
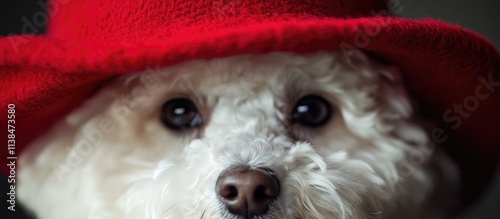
(247, 192)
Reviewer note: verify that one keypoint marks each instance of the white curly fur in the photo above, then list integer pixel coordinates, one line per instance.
(113, 158)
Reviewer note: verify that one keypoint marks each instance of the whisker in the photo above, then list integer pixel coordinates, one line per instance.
(203, 214)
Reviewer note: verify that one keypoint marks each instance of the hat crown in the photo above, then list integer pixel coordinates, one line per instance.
(135, 20)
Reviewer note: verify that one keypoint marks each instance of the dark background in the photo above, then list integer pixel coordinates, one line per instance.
(482, 16)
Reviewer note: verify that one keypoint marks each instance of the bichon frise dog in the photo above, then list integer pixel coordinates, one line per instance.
(246, 137)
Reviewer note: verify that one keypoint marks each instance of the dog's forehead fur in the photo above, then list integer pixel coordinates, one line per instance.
(265, 87)
(141, 169)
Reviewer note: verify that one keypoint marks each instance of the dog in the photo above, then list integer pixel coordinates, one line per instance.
(278, 135)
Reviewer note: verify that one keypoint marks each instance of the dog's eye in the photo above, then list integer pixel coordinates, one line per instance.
(180, 114)
(312, 111)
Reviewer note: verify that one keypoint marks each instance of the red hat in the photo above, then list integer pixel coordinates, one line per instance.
(453, 73)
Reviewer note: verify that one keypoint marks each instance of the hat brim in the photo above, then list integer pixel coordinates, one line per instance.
(443, 66)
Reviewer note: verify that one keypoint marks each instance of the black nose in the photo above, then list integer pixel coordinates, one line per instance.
(247, 193)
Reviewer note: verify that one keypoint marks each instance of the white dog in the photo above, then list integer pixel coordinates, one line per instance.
(247, 137)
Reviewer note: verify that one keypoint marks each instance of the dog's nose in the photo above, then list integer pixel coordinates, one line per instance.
(247, 193)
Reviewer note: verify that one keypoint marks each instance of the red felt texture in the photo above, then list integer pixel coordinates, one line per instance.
(91, 41)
